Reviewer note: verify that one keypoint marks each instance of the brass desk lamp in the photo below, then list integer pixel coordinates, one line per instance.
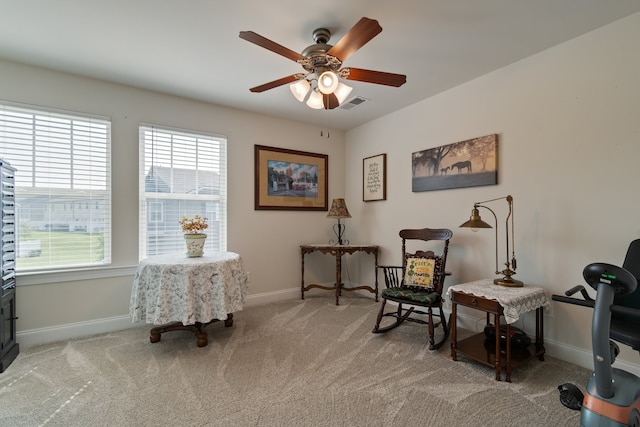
(476, 222)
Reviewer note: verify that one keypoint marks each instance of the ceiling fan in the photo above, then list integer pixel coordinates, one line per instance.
(322, 63)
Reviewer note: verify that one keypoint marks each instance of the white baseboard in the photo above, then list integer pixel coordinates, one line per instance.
(73, 330)
(100, 326)
(268, 297)
(578, 356)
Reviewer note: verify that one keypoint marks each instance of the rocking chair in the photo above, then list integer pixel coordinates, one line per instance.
(417, 283)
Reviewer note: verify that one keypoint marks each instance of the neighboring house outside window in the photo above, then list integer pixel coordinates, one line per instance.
(63, 186)
(182, 173)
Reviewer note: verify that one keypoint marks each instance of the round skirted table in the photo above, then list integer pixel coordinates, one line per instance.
(177, 292)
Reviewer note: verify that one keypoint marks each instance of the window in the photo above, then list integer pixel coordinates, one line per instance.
(155, 210)
(63, 163)
(182, 173)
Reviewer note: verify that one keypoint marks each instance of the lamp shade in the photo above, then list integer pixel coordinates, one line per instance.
(315, 100)
(300, 89)
(338, 209)
(328, 82)
(475, 221)
(342, 92)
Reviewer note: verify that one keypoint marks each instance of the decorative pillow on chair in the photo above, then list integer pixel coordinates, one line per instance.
(420, 272)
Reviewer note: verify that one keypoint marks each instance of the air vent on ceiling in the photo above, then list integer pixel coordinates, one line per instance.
(353, 102)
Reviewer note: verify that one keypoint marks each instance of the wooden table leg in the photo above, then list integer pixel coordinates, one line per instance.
(375, 272)
(338, 277)
(229, 321)
(539, 331)
(507, 377)
(201, 336)
(198, 330)
(454, 330)
(302, 283)
(497, 356)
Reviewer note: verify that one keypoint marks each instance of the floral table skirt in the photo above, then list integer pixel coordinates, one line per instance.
(176, 288)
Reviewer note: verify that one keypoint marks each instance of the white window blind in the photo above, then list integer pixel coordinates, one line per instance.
(63, 186)
(182, 173)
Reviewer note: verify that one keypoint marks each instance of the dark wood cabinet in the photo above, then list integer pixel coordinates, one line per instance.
(8, 345)
(8, 317)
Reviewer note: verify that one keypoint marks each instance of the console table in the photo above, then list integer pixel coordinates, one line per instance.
(338, 251)
(497, 301)
(177, 292)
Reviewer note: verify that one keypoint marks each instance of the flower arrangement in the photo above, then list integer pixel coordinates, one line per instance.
(195, 225)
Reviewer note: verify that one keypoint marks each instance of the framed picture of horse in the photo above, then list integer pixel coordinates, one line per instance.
(469, 163)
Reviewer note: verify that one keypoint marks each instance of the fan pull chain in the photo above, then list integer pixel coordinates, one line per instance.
(322, 124)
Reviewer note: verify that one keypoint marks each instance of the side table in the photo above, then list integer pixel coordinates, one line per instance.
(497, 301)
(338, 251)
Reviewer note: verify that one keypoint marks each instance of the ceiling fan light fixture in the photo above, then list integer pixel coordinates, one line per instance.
(300, 89)
(328, 82)
(342, 92)
(315, 100)
(322, 64)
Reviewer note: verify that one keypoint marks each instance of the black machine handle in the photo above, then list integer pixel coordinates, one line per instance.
(630, 313)
(587, 301)
(582, 290)
(574, 301)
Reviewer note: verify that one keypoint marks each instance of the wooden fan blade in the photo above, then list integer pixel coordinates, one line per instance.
(359, 35)
(264, 42)
(283, 81)
(330, 101)
(370, 76)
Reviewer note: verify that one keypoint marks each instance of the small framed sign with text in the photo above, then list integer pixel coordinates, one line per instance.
(374, 178)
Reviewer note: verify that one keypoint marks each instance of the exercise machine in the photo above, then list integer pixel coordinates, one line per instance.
(612, 396)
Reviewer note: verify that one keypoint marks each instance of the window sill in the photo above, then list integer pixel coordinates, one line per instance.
(47, 277)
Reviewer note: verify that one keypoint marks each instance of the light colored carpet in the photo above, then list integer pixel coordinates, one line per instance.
(291, 363)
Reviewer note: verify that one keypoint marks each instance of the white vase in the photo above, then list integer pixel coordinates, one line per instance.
(195, 243)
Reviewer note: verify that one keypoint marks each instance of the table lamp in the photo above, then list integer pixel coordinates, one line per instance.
(476, 222)
(339, 210)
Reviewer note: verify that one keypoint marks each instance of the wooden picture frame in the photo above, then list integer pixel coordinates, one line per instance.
(290, 179)
(469, 163)
(374, 178)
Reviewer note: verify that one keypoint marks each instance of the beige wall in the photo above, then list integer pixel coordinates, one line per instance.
(569, 139)
(568, 121)
(268, 241)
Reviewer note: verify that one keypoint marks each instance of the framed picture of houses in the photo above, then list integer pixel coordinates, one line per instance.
(290, 180)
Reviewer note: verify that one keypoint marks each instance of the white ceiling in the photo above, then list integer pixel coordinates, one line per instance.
(191, 48)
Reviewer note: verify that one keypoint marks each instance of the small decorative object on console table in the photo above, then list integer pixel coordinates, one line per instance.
(193, 234)
(339, 210)
(509, 302)
(476, 222)
(338, 251)
(177, 292)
